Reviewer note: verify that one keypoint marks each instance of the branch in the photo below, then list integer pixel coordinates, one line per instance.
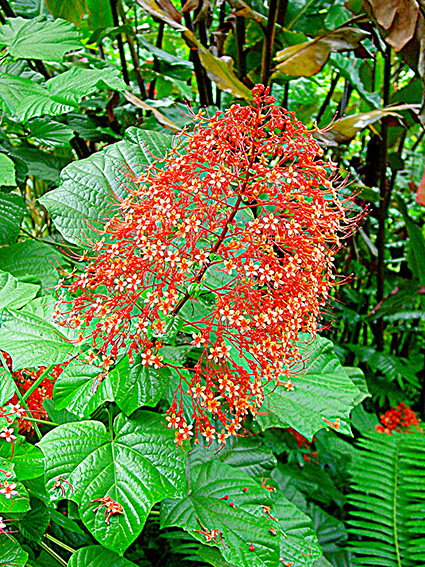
(269, 41)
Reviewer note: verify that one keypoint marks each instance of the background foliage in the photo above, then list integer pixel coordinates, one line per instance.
(86, 85)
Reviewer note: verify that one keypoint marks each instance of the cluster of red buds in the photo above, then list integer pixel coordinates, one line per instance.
(307, 447)
(228, 244)
(400, 419)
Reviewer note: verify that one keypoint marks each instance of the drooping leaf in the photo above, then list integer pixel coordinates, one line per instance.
(33, 259)
(99, 14)
(70, 87)
(323, 395)
(165, 11)
(50, 133)
(86, 193)
(39, 38)
(14, 89)
(135, 385)
(349, 70)
(98, 556)
(7, 169)
(36, 521)
(12, 211)
(11, 553)
(308, 58)
(416, 256)
(81, 389)
(162, 119)
(69, 11)
(32, 341)
(138, 467)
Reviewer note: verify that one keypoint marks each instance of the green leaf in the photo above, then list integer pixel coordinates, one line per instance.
(34, 105)
(40, 38)
(247, 454)
(11, 553)
(349, 70)
(43, 165)
(12, 211)
(34, 259)
(322, 393)
(36, 521)
(13, 293)
(97, 556)
(32, 341)
(85, 195)
(79, 390)
(19, 503)
(49, 132)
(244, 525)
(100, 14)
(70, 87)
(27, 459)
(69, 11)
(135, 385)
(14, 89)
(137, 468)
(7, 386)
(416, 257)
(7, 168)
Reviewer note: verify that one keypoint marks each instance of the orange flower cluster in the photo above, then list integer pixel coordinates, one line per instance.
(401, 419)
(227, 245)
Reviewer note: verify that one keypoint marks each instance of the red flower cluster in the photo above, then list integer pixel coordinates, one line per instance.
(307, 447)
(400, 418)
(227, 243)
(24, 379)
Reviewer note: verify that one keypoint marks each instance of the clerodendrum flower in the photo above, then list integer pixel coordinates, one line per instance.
(229, 241)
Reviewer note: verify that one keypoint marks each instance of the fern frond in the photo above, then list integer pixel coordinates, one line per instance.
(388, 519)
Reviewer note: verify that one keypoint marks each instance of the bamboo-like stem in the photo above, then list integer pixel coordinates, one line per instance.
(134, 57)
(59, 543)
(382, 211)
(158, 44)
(269, 41)
(52, 553)
(113, 4)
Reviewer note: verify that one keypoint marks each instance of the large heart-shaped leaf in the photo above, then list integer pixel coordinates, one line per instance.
(86, 193)
(323, 394)
(256, 529)
(97, 556)
(138, 467)
(27, 459)
(135, 385)
(81, 389)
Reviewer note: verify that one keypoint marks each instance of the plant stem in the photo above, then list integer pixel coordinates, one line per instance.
(240, 42)
(60, 543)
(158, 44)
(42, 421)
(382, 211)
(37, 382)
(269, 41)
(113, 4)
(134, 57)
(328, 97)
(53, 553)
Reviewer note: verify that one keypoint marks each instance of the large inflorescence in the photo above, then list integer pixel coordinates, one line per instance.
(230, 239)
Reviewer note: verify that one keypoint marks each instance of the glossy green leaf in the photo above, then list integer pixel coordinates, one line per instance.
(11, 553)
(97, 556)
(244, 525)
(7, 169)
(32, 341)
(99, 14)
(32, 259)
(19, 502)
(416, 256)
(70, 87)
(138, 467)
(81, 389)
(87, 188)
(135, 385)
(322, 393)
(36, 521)
(50, 133)
(12, 211)
(247, 454)
(39, 38)
(14, 293)
(14, 89)
(27, 459)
